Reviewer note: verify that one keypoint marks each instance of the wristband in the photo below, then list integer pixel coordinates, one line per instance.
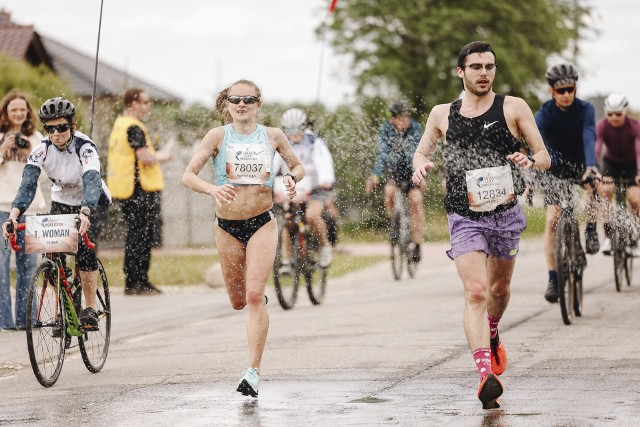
(86, 211)
(292, 177)
(533, 161)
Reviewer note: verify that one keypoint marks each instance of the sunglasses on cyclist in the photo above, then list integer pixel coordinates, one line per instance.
(249, 99)
(61, 128)
(293, 129)
(615, 113)
(563, 90)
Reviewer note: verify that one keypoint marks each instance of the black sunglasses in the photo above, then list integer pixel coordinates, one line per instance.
(61, 128)
(563, 90)
(615, 113)
(249, 99)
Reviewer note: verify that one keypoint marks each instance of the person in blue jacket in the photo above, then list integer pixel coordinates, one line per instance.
(567, 125)
(398, 139)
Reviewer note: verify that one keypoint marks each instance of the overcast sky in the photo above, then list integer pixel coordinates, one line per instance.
(193, 48)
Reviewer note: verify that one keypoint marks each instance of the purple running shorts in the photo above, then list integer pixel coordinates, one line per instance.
(496, 235)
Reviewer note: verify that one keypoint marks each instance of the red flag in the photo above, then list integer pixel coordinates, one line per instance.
(333, 5)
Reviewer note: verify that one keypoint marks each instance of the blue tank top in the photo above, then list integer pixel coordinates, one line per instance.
(244, 159)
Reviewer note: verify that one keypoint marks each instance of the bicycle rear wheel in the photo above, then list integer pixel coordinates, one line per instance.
(286, 281)
(46, 324)
(396, 248)
(564, 267)
(628, 268)
(94, 345)
(577, 299)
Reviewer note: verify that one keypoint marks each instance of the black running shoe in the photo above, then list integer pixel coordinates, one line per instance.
(416, 255)
(552, 292)
(592, 243)
(89, 319)
(489, 391)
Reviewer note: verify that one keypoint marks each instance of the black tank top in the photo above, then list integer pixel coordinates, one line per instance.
(475, 143)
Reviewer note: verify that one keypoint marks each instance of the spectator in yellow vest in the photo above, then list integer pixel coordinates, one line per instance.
(135, 180)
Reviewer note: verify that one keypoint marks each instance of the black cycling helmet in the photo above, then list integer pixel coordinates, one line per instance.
(561, 74)
(54, 108)
(398, 108)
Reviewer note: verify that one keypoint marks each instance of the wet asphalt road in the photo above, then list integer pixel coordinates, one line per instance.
(378, 352)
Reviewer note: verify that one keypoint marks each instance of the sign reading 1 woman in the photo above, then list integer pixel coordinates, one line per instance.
(51, 233)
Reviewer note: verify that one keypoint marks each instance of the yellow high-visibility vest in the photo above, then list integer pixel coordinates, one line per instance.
(122, 162)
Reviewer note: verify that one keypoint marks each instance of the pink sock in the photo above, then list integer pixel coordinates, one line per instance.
(482, 357)
(493, 325)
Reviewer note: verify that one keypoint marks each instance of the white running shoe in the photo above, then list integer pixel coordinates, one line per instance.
(249, 383)
(326, 254)
(633, 250)
(606, 246)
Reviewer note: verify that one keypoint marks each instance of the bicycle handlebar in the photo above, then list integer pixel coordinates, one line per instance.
(21, 226)
(12, 235)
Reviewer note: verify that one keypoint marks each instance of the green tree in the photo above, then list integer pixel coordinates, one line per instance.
(38, 83)
(410, 47)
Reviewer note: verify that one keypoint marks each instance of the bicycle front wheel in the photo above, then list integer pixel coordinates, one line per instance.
(46, 324)
(618, 247)
(94, 345)
(564, 267)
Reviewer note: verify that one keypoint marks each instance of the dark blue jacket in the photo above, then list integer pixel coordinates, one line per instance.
(396, 150)
(570, 136)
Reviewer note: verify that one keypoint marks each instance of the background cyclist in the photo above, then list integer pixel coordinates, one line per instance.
(398, 139)
(618, 147)
(317, 162)
(567, 125)
(70, 160)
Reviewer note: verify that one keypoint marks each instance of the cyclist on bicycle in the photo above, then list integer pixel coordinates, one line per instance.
(70, 160)
(319, 177)
(567, 125)
(398, 139)
(619, 137)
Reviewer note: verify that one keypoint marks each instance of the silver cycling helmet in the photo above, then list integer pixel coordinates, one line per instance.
(616, 102)
(293, 118)
(561, 74)
(54, 108)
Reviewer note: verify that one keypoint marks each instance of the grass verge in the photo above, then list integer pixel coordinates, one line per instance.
(189, 269)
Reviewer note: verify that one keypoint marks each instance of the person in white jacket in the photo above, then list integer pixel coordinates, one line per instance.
(18, 136)
(316, 187)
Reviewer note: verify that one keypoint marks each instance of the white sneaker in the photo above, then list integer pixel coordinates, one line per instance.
(249, 383)
(633, 250)
(606, 246)
(326, 254)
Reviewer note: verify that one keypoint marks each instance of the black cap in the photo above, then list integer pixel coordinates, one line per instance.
(398, 109)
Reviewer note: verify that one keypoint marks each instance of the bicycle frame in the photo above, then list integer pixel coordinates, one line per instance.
(59, 261)
(624, 232)
(303, 258)
(570, 256)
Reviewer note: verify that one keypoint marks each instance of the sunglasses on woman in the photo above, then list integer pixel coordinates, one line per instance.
(249, 99)
(615, 113)
(61, 128)
(563, 90)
